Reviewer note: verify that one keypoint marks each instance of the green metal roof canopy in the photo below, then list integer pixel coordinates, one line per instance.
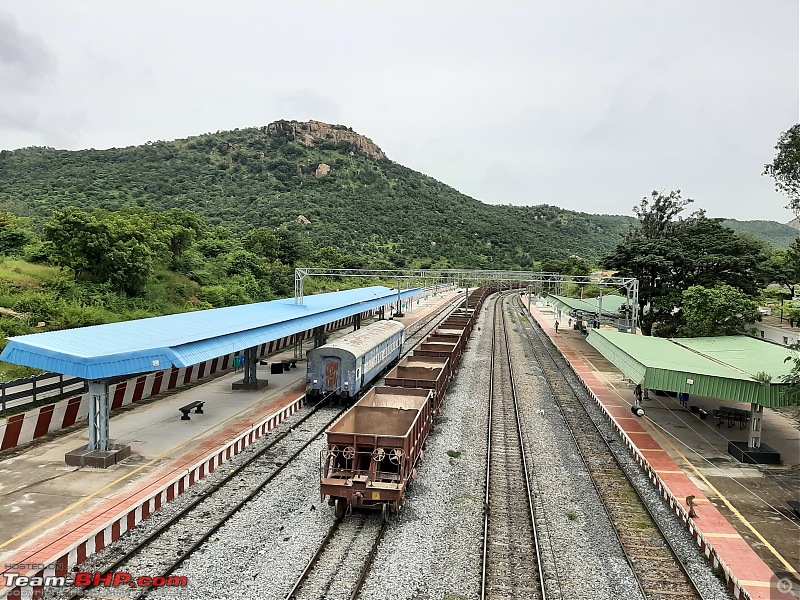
(612, 304)
(716, 367)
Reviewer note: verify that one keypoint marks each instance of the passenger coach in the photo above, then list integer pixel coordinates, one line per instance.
(344, 367)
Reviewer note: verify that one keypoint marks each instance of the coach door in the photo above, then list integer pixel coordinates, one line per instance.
(332, 364)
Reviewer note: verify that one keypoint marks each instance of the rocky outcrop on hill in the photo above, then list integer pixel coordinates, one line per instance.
(312, 133)
(322, 171)
(794, 223)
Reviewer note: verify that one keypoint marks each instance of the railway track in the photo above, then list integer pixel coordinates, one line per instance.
(512, 566)
(659, 571)
(163, 550)
(418, 331)
(168, 546)
(340, 565)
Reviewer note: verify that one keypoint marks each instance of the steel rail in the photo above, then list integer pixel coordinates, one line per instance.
(205, 496)
(522, 451)
(498, 314)
(297, 589)
(605, 443)
(314, 559)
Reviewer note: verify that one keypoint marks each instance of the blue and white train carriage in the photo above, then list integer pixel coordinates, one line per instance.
(344, 367)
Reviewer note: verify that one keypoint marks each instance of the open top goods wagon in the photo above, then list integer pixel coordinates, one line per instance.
(424, 372)
(440, 349)
(372, 451)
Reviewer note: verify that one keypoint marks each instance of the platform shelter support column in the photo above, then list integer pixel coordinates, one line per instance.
(99, 415)
(756, 414)
(319, 336)
(250, 377)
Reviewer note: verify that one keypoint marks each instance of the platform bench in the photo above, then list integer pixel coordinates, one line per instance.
(197, 405)
(732, 415)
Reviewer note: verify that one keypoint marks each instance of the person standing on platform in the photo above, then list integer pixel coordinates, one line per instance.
(556, 326)
(637, 392)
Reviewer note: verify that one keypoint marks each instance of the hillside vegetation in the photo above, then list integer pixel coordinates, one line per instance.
(367, 206)
(777, 235)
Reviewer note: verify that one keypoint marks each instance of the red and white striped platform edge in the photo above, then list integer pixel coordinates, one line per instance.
(37, 422)
(748, 577)
(93, 530)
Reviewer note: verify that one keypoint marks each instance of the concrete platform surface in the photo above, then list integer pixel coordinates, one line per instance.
(742, 509)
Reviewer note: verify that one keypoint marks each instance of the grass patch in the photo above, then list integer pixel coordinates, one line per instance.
(9, 372)
(572, 515)
(454, 454)
(22, 272)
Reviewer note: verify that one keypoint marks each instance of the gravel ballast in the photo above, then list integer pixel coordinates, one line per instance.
(432, 548)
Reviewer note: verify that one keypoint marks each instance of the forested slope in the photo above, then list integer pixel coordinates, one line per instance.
(365, 204)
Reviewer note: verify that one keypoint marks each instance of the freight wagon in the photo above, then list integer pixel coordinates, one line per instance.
(373, 449)
(423, 372)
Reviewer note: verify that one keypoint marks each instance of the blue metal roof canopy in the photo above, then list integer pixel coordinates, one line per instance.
(154, 344)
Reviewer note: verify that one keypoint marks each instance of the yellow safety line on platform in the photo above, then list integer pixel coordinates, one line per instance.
(113, 483)
(730, 506)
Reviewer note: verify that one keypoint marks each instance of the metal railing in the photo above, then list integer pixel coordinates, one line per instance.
(20, 392)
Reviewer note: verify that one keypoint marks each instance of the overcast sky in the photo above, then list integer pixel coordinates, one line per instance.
(588, 105)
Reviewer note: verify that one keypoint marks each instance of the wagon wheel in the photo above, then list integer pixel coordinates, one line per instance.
(341, 508)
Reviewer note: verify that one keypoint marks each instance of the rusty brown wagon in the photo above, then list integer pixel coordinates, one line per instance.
(424, 372)
(372, 451)
(440, 349)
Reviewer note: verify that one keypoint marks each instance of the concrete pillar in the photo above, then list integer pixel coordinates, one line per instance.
(756, 414)
(319, 336)
(250, 377)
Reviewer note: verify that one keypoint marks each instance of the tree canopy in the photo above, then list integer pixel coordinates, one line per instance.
(721, 310)
(785, 167)
(669, 254)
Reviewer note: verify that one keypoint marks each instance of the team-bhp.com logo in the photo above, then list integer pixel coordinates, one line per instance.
(80, 579)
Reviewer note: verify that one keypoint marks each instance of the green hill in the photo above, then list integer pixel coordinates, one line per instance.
(340, 182)
(778, 235)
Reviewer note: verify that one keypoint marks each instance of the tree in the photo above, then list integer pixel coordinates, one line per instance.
(669, 255)
(117, 248)
(263, 242)
(783, 267)
(785, 168)
(793, 378)
(721, 310)
(649, 253)
(14, 233)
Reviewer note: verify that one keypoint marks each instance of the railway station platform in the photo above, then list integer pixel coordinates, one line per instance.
(743, 523)
(53, 516)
